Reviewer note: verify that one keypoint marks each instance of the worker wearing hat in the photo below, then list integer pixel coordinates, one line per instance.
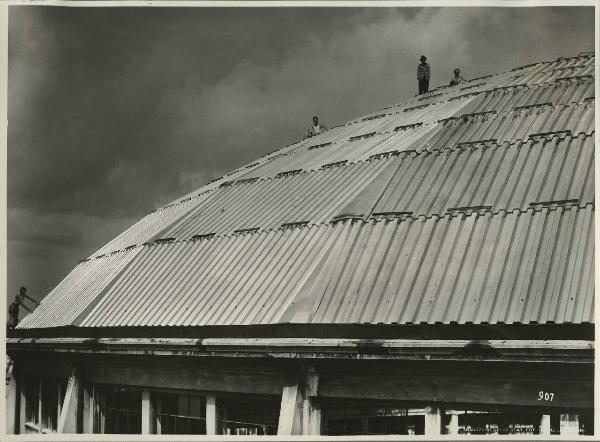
(423, 75)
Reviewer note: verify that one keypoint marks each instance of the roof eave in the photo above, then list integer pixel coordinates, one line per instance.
(563, 350)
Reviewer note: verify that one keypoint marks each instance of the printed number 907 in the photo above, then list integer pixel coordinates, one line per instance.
(545, 396)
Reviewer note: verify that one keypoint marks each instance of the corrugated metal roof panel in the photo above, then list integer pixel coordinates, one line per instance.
(516, 125)
(561, 68)
(477, 268)
(315, 158)
(464, 268)
(557, 93)
(82, 287)
(238, 173)
(308, 196)
(226, 280)
(504, 140)
(151, 225)
(504, 177)
(394, 132)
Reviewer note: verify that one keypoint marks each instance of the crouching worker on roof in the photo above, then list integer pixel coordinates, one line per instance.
(13, 309)
(457, 79)
(316, 128)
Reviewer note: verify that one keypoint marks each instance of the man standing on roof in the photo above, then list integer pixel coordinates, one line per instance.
(457, 79)
(423, 75)
(13, 309)
(316, 128)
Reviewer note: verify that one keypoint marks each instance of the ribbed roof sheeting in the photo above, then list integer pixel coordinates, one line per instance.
(151, 225)
(420, 108)
(510, 267)
(239, 172)
(548, 169)
(503, 177)
(428, 109)
(418, 113)
(313, 197)
(314, 158)
(244, 279)
(348, 150)
(514, 126)
(78, 291)
(557, 93)
(511, 126)
(516, 142)
(352, 150)
(501, 268)
(568, 67)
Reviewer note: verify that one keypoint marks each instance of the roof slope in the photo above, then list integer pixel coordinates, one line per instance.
(470, 204)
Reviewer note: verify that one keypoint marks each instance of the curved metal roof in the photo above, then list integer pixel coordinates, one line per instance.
(470, 204)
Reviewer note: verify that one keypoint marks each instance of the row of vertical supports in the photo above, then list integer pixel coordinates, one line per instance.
(151, 411)
(300, 412)
(569, 425)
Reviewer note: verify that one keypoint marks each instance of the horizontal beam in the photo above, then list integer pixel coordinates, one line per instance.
(493, 390)
(364, 331)
(188, 379)
(303, 342)
(546, 350)
(311, 342)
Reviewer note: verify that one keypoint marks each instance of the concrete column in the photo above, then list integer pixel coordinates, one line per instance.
(452, 427)
(89, 405)
(158, 407)
(569, 424)
(59, 399)
(311, 412)
(290, 413)
(311, 416)
(40, 391)
(12, 402)
(22, 403)
(148, 418)
(101, 401)
(212, 415)
(433, 421)
(545, 425)
(72, 407)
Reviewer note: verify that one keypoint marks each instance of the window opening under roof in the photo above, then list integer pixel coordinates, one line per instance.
(367, 418)
(43, 402)
(249, 415)
(180, 413)
(119, 410)
(498, 421)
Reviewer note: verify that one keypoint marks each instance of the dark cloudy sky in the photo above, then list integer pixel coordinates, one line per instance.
(115, 111)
